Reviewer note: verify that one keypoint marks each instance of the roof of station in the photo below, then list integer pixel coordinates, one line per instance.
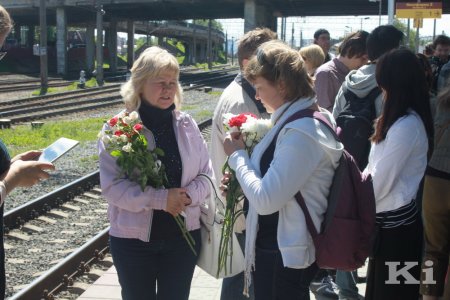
(81, 11)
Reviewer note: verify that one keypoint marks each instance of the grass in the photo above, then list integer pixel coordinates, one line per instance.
(215, 93)
(188, 107)
(21, 138)
(74, 86)
(203, 115)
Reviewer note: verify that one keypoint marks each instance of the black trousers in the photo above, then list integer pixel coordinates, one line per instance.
(399, 245)
(167, 264)
(273, 281)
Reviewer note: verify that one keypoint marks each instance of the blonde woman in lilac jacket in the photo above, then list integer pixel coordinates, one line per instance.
(147, 245)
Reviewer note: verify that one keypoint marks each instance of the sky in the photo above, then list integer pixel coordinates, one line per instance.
(337, 26)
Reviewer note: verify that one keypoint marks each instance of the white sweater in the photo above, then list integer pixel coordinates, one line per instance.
(398, 163)
(305, 157)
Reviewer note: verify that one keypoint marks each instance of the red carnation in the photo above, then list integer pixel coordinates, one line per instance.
(137, 127)
(118, 133)
(237, 121)
(113, 121)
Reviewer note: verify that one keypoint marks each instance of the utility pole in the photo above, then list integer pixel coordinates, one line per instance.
(292, 36)
(194, 48)
(209, 46)
(232, 51)
(226, 47)
(99, 45)
(43, 44)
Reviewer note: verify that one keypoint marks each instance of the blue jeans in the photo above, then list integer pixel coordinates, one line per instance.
(141, 265)
(346, 282)
(232, 287)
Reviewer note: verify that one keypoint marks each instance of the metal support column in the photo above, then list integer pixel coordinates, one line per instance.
(90, 48)
(43, 44)
(209, 46)
(130, 44)
(99, 45)
(61, 41)
(112, 46)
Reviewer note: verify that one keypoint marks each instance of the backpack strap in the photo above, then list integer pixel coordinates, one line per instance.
(309, 113)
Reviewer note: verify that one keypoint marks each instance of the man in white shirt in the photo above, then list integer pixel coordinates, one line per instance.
(238, 97)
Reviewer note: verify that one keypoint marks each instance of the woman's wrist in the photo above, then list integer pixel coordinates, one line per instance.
(3, 192)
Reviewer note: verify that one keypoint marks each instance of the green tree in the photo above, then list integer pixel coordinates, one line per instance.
(214, 23)
(411, 43)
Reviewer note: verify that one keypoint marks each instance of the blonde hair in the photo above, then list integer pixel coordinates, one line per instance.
(280, 64)
(153, 62)
(313, 54)
(6, 22)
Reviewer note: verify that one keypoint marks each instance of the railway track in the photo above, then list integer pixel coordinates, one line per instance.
(36, 108)
(78, 205)
(31, 84)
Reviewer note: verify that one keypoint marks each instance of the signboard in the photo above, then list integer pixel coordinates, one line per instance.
(39, 51)
(418, 10)
(418, 23)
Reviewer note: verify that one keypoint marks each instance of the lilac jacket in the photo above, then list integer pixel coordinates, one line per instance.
(130, 211)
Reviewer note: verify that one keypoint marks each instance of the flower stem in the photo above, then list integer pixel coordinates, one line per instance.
(187, 236)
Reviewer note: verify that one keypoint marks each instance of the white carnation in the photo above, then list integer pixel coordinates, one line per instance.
(127, 147)
(123, 138)
(106, 139)
(134, 115)
(127, 120)
(114, 139)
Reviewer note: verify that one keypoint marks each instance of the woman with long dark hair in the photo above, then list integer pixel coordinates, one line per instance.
(397, 163)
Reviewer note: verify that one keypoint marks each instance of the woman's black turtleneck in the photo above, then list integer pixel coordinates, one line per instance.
(160, 123)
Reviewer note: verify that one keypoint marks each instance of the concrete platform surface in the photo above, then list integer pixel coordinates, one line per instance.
(203, 287)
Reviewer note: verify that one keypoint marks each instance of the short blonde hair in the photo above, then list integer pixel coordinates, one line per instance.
(313, 54)
(153, 62)
(280, 64)
(6, 23)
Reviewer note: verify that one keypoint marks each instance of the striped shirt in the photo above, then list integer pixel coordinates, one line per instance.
(404, 215)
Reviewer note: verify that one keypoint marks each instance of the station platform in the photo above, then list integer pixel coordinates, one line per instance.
(203, 287)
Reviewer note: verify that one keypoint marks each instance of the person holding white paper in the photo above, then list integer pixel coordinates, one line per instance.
(22, 170)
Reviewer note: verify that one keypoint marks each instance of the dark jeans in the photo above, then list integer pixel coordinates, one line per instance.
(232, 287)
(274, 281)
(141, 265)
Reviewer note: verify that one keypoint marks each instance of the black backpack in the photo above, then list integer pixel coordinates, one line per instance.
(356, 124)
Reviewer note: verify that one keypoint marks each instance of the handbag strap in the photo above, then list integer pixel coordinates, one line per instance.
(213, 187)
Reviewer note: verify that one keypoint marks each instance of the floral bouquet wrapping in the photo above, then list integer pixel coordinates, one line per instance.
(252, 130)
(139, 164)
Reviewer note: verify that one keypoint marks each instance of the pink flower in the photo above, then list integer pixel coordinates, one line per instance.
(118, 133)
(113, 121)
(138, 127)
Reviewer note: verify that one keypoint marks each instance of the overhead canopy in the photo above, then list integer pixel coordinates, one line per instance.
(82, 11)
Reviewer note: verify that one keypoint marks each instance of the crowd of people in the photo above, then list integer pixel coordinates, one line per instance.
(408, 161)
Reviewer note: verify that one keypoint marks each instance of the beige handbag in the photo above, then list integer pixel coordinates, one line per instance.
(212, 213)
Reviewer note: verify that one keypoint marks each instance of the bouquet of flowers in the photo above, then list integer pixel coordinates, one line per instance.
(136, 162)
(252, 130)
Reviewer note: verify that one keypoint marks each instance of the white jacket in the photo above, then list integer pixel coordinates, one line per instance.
(305, 157)
(233, 100)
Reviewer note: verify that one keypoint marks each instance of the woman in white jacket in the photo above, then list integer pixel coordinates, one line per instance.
(279, 249)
